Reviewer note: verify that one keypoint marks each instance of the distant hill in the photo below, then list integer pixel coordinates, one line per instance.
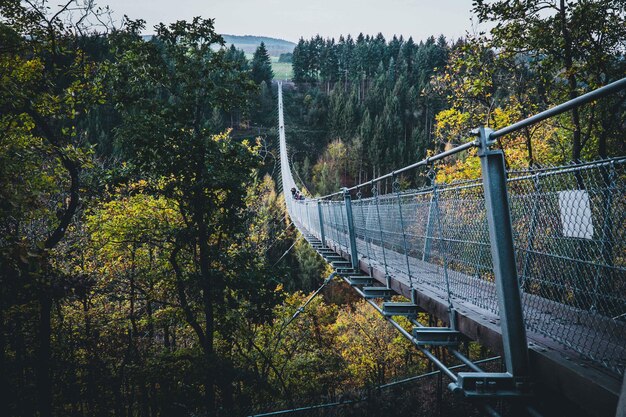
(249, 43)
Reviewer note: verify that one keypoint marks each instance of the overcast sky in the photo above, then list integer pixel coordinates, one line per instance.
(291, 19)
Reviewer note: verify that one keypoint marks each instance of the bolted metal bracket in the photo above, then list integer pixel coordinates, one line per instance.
(325, 250)
(400, 309)
(483, 137)
(436, 336)
(344, 271)
(378, 292)
(360, 280)
(480, 385)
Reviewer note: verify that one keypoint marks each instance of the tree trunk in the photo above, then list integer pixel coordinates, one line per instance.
(44, 380)
(207, 298)
(571, 81)
(529, 148)
(4, 378)
(91, 368)
(200, 204)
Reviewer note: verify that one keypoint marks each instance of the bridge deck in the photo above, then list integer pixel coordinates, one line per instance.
(568, 232)
(557, 367)
(580, 325)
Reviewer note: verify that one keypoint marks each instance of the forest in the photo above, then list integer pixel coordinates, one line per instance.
(148, 266)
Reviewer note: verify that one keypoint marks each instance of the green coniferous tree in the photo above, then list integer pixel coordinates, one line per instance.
(299, 61)
(238, 58)
(262, 66)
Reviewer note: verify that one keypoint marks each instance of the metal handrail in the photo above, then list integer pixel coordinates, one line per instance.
(561, 108)
(423, 162)
(554, 111)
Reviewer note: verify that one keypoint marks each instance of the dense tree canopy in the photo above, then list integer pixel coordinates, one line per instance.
(371, 96)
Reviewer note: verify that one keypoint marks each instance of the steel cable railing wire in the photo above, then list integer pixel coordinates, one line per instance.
(569, 235)
(352, 401)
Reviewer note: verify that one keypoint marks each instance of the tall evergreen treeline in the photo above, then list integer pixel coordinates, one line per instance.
(368, 93)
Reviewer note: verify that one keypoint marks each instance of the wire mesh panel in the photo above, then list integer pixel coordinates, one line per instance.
(571, 256)
(361, 213)
(369, 216)
(569, 236)
(462, 235)
(342, 212)
(416, 212)
(314, 218)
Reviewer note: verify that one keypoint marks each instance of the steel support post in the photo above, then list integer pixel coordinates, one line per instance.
(321, 216)
(354, 257)
(514, 340)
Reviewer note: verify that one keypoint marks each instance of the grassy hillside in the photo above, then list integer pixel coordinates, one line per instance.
(249, 43)
(282, 70)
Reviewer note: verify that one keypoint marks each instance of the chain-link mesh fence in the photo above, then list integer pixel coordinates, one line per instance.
(571, 256)
(568, 226)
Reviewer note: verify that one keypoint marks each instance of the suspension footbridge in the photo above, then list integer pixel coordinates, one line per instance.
(530, 264)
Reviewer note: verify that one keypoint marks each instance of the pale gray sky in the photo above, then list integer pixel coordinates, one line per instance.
(291, 19)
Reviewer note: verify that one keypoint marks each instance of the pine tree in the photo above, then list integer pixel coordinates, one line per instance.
(262, 66)
(300, 61)
(238, 57)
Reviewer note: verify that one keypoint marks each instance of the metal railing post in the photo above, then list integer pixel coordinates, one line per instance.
(321, 217)
(354, 258)
(514, 340)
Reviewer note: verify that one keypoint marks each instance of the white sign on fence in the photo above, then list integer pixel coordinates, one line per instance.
(576, 214)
